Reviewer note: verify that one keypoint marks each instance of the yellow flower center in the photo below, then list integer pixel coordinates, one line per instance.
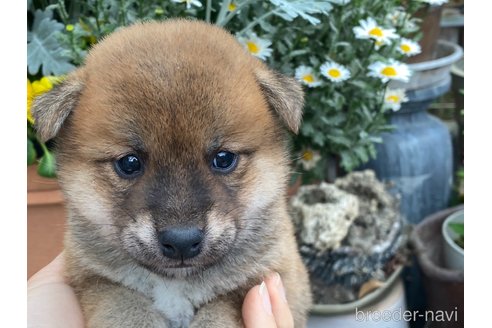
(389, 71)
(393, 99)
(69, 27)
(308, 155)
(334, 73)
(252, 47)
(232, 6)
(309, 78)
(377, 32)
(405, 48)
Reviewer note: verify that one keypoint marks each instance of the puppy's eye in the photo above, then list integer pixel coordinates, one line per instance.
(224, 161)
(128, 166)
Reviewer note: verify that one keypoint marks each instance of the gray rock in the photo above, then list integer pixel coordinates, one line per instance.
(323, 214)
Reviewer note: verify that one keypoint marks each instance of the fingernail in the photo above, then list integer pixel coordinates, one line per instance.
(265, 297)
(280, 286)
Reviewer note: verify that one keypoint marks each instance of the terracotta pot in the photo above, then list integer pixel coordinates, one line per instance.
(431, 28)
(444, 287)
(45, 220)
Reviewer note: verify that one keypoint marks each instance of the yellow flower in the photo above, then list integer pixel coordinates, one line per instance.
(37, 88)
(41, 86)
(29, 102)
(232, 6)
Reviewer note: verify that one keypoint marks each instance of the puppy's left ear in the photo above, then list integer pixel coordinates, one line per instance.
(284, 95)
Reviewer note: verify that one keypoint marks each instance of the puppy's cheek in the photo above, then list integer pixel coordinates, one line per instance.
(91, 203)
(267, 184)
(140, 233)
(220, 232)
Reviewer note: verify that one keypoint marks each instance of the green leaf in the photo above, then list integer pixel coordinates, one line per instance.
(340, 139)
(348, 161)
(458, 228)
(43, 48)
(361, 153)
(47, 165)
(303, 8)
(31, 153)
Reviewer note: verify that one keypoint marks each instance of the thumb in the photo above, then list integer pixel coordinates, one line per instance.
(257, 309)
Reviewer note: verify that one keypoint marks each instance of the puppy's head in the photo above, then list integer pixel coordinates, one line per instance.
(171, 144)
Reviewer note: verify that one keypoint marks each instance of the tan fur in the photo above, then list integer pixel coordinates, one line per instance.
(174, 93)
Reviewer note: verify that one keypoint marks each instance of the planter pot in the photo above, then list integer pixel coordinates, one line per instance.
(458, 79)
(454, 255)
(407, 157)
(45, 220)
(431, 28)
(435, 71)
(444, 288)
(389, 299)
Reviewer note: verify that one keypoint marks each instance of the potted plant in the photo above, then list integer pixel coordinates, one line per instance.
(353, 241)
(425, 188)
(453, 231)
(444, 286)
(346, 65)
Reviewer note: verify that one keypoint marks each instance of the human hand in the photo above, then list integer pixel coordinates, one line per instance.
(265, 305)
(51, 302)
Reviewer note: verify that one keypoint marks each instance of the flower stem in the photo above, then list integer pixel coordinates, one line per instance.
(63, 12)
(223, 11)
(257, 21)
(208, 11)
(231, 14)
(43, 147)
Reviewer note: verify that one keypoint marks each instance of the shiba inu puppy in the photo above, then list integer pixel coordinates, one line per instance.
(172, 156)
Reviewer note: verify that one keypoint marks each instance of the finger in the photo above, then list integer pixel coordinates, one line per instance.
(280, 307)
(50, 301)
(51, 273)
(257, 309)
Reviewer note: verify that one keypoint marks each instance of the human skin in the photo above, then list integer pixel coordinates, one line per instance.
(51, 302)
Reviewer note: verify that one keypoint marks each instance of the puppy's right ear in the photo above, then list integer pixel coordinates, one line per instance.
(50, 110)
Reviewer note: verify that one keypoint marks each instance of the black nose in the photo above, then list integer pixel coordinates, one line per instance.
(181, 243)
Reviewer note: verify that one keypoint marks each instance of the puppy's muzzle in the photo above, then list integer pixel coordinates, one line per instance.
(181, 243)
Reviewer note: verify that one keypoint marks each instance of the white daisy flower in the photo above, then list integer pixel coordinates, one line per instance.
(309, 159)
(395, 17)
(189, 3)
(369, 29)
(258, 47)
(335, 72)
(409, 47)
(307, 76)
(434, 2)
(393, 98)
(392, 70)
